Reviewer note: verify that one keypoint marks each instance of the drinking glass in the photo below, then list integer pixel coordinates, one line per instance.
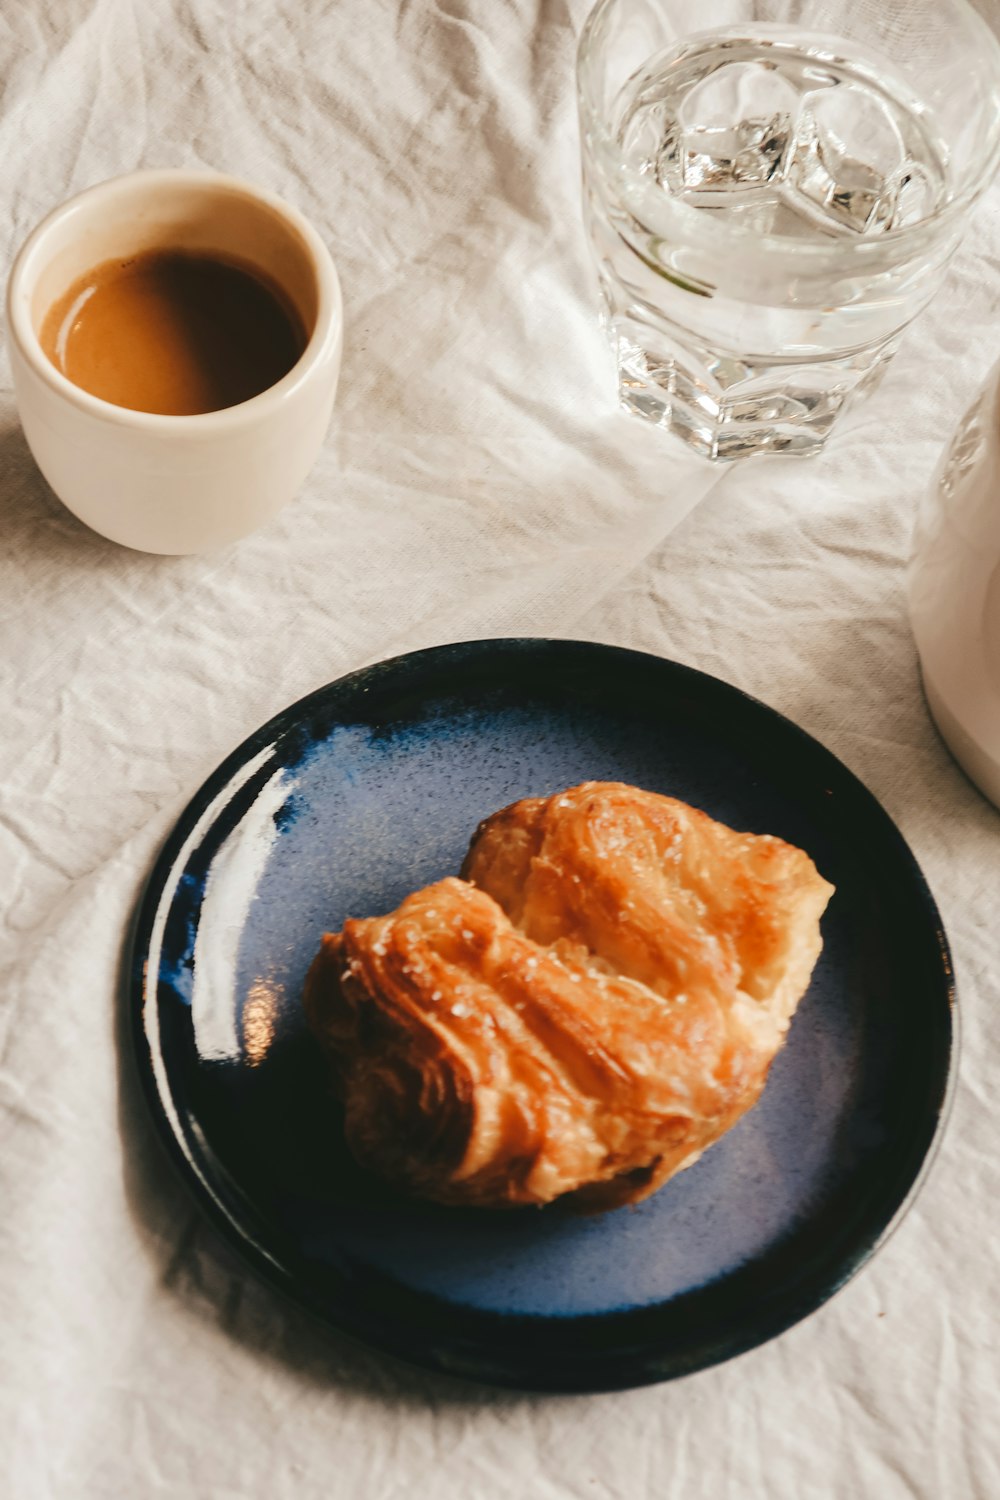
(771, 200)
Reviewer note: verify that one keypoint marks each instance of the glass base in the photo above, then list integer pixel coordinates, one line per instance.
(727, 408)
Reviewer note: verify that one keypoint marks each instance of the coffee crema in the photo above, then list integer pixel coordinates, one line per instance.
(173, 332)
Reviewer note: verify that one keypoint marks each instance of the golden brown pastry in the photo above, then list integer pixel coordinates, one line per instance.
(594, 1003)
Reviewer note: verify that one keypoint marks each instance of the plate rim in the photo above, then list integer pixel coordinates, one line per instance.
(605, 1371)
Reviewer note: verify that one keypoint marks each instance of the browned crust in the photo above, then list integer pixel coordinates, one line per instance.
(593, 1004)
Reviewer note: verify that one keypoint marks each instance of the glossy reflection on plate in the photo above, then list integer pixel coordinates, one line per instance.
(373, 786)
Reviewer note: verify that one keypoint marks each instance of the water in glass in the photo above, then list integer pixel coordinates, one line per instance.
(767, 220)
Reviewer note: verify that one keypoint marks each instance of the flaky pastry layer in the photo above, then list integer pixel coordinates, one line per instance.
(590, 1006)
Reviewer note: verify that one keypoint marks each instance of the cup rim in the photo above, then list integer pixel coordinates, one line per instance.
(713, 235)
(326, 333)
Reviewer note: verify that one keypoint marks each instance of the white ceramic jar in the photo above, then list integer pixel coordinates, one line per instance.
(954, 589)
(175, 484)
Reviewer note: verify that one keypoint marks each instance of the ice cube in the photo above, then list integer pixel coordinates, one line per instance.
(735, 133)
(916, 197)
(847, 158)
(650, 132)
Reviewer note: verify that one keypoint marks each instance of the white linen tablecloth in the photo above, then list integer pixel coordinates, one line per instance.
(477, 481)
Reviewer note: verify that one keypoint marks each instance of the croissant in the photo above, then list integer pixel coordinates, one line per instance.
(590, 1006)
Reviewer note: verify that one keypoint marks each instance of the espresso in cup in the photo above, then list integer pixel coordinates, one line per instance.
(175, 340)
(173, 332)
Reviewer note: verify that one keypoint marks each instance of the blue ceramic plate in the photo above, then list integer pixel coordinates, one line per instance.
(373, 786)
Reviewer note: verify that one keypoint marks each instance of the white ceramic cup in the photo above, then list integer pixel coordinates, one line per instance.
(954, 589)
(175, 484)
